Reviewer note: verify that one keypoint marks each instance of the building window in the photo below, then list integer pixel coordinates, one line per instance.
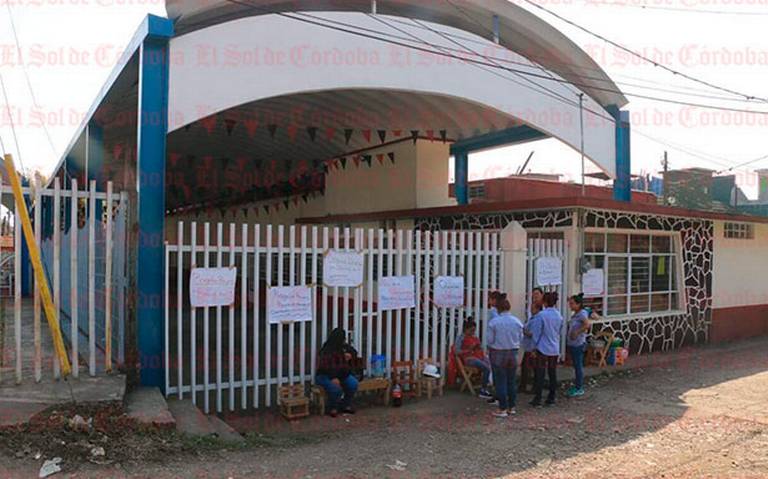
(739, 231)
(640, 272)
(477, 191)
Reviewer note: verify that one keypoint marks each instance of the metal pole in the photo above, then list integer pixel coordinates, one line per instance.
(374, 7)
(583, 160)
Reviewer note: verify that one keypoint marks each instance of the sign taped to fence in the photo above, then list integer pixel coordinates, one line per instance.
(343, 269)
(396, 292)
(212, 287)
(449, 291)
(549, 271)
(289, 304)
(593, 282)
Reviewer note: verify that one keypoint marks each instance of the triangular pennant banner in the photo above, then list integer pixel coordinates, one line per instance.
(415, 135)
(380, 157)
(383, 135)
(230, 124)
(356, 159)
(391, 156)
(397, 133)
(444, 135)
(368, 159)
(343, 163)
(305, 197)
(431, 135)
(296, 200)
(348, 135)
(367, 135)
(312, 132)
(286, 203)
(330, 132)
(266, 209)
(209, 124)
(245, 212)
(272, 131)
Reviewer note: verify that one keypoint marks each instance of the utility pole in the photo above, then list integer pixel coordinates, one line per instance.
(583, 160)
(665, 166)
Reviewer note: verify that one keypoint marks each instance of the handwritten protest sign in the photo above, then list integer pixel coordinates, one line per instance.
(343, 269)
(593, 282)
(396, 292)
(212, 287)
(549, 271)
(289, 304)
(449, 291)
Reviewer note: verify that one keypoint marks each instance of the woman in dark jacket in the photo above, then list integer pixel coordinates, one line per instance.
(334, 373)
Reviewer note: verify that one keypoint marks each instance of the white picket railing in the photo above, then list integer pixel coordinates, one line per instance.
(83, 256)
(237, 353)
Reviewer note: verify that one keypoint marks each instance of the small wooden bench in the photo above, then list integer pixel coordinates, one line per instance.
(380, 386)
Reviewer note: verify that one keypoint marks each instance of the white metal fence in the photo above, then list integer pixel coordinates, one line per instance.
(82, 238)
(550, 248)
(233, 353)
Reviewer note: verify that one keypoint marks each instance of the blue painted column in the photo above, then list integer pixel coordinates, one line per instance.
(150, 199)
(622, 185)
(461, 168)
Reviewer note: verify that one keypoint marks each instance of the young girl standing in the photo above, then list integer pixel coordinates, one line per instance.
(578, 327)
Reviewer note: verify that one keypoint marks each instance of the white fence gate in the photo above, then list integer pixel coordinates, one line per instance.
(233, 353)
(557, 249)
(82, 239)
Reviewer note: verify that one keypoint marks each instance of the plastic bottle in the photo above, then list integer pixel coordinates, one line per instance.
(397, 395)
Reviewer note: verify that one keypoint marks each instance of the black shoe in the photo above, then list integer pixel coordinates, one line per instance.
(549, 402)
(535, 403)
(348, 410)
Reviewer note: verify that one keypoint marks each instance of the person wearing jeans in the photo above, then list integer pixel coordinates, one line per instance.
(471, 354)
(545, 333)
(334, 373)
(505, 332)
(578, 327)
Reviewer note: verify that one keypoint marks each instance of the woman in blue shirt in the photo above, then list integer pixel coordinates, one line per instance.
(505, 332)
(545, 333)
(578, 327)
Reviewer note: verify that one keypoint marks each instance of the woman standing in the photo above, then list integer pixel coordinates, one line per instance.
(527, 367)
(578, 327)
(334, 373)
(545, 333)
(505, 332)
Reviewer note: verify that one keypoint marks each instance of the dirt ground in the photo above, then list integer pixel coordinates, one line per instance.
(702, 414)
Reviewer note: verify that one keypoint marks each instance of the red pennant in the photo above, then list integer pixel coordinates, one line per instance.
(397, 133)
(431, 135)
(252, 125)
(380, 158)
(367, 135)
(292, 130)
(296, 200)
(209, 124)
(276, 207)
(330, 132)
(356, 159)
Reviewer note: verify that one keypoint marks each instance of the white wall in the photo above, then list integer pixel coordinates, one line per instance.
(740, 269)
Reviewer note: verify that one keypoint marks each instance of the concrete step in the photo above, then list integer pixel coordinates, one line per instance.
(191, 421)
(149, 408)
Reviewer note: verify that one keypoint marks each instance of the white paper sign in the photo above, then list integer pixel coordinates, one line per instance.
(289, 304)
(343, 269)
(212, 287)
(449, 291)
(396, 292)
(549, 271)
(593, 282)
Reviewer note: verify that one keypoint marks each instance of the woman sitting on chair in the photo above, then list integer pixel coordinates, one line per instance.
(472, 355)
(334, 373)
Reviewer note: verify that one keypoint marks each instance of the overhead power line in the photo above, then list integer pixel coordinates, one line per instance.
(680, 9)
(642, 57)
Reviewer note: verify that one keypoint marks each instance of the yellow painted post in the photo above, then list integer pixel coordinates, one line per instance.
(34, 255)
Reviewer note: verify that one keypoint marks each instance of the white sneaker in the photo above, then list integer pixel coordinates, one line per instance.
(512, 411)
(501, 414)
(493, 402)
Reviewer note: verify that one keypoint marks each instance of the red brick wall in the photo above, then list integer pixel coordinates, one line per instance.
(729, 324)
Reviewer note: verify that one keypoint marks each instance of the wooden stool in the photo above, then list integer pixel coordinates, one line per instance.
(426, 383)
(293, 403)
(318, 399)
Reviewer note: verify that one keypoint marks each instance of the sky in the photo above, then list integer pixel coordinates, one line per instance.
(70, 47)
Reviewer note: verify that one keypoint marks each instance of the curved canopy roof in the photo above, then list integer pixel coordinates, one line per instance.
(520, 31)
